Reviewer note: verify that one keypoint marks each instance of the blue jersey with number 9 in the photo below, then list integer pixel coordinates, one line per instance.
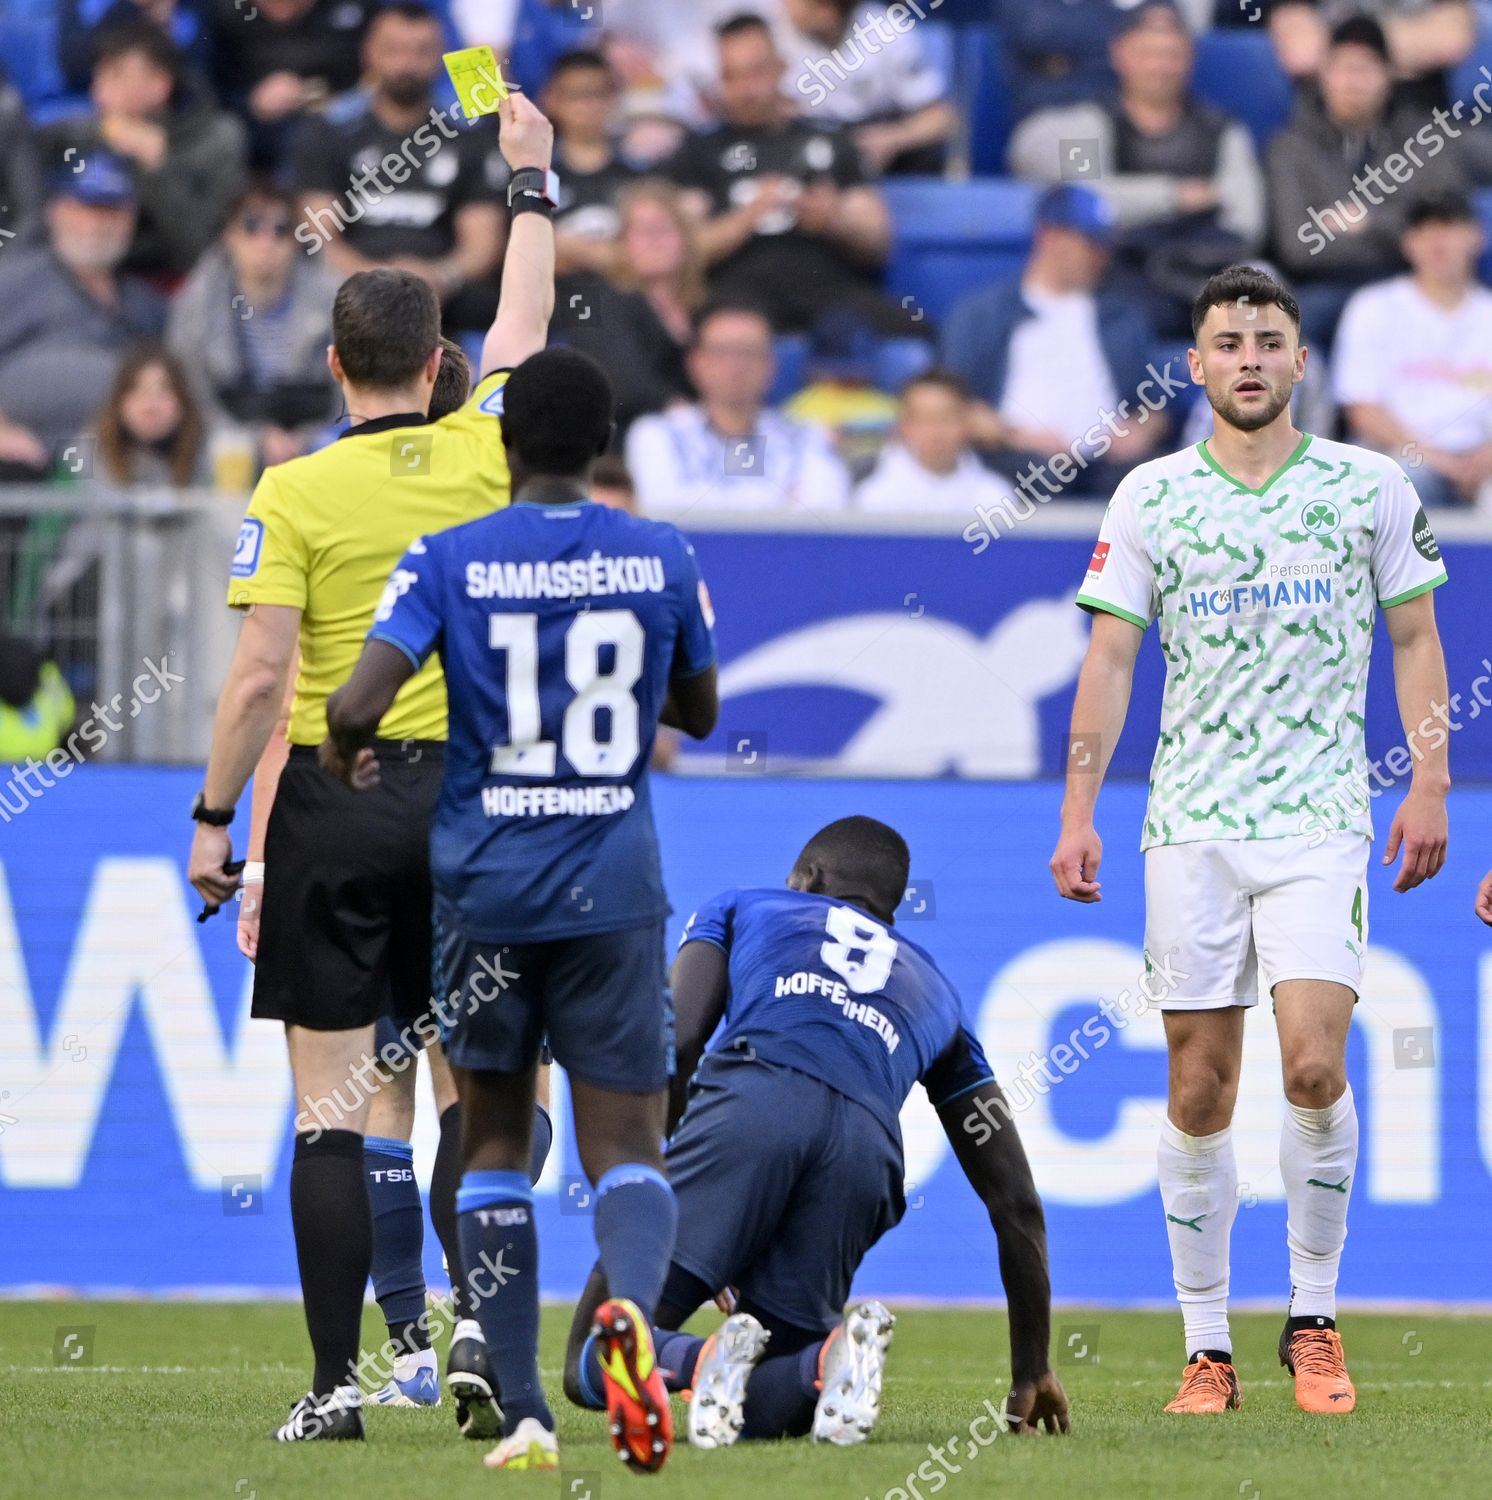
(559, 628)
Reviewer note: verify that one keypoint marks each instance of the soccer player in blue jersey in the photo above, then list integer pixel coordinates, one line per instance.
(567, 632)
(830, 1018)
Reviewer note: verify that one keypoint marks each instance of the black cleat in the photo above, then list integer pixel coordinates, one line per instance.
(334, 1418)
(469, 1380)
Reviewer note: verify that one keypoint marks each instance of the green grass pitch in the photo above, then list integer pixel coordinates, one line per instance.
(180, 1398)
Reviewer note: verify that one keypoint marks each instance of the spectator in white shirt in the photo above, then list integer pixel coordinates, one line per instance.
(1413, 358)
(931, 465)
(851, 62)
(730, 451)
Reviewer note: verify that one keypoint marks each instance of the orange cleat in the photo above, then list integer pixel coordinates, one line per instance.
(1207, 1386)
(636, 1398)
(1314, 1357)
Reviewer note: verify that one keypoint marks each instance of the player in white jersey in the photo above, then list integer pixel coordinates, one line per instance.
(1262, 553)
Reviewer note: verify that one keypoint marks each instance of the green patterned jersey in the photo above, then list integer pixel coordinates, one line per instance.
(1265, 600)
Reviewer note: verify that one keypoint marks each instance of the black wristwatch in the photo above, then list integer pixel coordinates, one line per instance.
(214, 817)
(533, 187)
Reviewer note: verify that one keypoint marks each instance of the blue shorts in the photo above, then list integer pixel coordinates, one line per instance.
(601, 1002)
(783, 1185)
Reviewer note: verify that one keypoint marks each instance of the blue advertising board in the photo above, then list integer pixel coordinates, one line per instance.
(145, 1121)
(916, 655)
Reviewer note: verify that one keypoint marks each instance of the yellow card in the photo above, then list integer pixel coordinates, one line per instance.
(478, 80)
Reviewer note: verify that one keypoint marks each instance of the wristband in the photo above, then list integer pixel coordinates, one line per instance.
(533, 190)
(253, 870)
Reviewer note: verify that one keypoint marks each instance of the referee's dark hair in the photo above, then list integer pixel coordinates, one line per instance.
(1243, 286)
(557, 412)
(860, 856)
(385, 323)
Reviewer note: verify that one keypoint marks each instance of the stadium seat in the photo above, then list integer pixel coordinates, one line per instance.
(790, 350)
(983, 98)
(1236, 71)
(1465, 76)
(28, 46)
(951, 238)
(1483, 201)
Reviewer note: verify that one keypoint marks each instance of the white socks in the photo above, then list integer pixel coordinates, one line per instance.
(1199, 1191)
(1318, 1160)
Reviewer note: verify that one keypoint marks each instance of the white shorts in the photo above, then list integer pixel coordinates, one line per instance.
(1220, 911)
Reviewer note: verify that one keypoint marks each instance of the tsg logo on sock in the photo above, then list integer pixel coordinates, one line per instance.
(503, 1217)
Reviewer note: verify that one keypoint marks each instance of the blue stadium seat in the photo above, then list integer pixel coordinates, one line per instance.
(1236, 71)
(983, 97)
(790, 350)
(954, 237)
(1483, 200)
(28, 45)
(1465, 76)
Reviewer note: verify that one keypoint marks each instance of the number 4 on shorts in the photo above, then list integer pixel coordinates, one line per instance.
(1357, 911)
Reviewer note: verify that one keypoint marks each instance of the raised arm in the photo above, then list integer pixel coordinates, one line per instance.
(985, 1141)
(521, 326)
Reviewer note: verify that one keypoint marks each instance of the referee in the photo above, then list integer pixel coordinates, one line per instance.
(345, 922)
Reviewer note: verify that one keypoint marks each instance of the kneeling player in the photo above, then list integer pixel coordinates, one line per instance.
(830, 1020)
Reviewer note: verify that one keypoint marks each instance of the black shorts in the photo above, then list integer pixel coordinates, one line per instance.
(344, 937)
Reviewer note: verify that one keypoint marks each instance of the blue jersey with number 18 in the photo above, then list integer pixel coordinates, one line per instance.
(559, 628)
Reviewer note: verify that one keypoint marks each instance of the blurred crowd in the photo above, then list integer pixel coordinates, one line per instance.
(179, 202)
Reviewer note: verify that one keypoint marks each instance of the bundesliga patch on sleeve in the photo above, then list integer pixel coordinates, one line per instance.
(250, 544)
(707, 609)
(1100, 557)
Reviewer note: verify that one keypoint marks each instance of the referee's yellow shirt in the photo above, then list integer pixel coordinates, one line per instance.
(324, 532)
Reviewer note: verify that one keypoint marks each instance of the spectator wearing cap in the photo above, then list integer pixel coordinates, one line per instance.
(1340, 178)
(251, 327)
(1181, 176)
(730, 450)
(67, 313)
(1052, 352)
(187, 157)
(440, 214)
(788, 221)
(930, 466)
(890, 97)
(292, 57)
(1413, 358)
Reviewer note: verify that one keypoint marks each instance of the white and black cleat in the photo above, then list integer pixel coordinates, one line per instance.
(854, 1367)
(469, 1380)
(334, 1418)
(719, 1392)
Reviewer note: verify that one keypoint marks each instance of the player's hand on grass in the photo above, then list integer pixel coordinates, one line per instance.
(1075, 863)
(1034, 1404)
(359, 772)
(212, 849)
(249, 907)
(1420, 827)
(1484, 899)
(525, 137)
(725, 1300)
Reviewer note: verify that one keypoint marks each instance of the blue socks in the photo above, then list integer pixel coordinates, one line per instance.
(500, 1256)
(398, 1240)
(678, 1353)
(543, 1140)
(782, 1394)
(636, 1216)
